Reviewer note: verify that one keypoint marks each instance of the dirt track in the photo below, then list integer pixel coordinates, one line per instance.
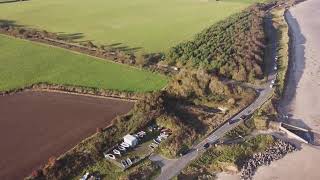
(37, 125)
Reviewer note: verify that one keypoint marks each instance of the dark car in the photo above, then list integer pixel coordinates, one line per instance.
(184, 150)
(206, 145)
(231, 121)
(244, 117)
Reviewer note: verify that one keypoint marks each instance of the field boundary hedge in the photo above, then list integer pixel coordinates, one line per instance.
(77, 90)
(101, 52)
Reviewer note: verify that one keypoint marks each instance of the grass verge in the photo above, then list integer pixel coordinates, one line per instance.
(282, 48)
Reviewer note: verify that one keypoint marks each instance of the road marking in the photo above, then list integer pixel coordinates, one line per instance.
(212, 138)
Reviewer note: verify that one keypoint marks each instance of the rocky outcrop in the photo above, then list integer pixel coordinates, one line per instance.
(275, 152)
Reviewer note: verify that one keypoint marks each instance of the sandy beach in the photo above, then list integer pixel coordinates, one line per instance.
(302, 96)
(302, 99)
(295, 166)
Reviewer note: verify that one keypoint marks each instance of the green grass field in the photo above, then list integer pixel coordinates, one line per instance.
(24, 63)
(154, 25)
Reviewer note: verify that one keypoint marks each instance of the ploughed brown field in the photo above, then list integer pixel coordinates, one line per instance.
(37, 125)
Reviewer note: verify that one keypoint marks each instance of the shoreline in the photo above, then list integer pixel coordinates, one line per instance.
(301, 98)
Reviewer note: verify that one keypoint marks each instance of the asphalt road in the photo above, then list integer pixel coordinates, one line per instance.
(174, 167)
(171, 168)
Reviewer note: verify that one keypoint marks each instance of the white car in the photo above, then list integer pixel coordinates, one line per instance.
(121, 148)
(126, 145)
(85, 176)
(156, 141)
(111, 156)
(275, 68)
(271, 85)
(116, 151)
(273, 81)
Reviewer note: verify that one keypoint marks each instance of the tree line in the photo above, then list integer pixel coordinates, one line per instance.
(233, 48)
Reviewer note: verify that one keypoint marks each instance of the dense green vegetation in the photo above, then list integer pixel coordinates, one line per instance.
(232, 48)
(226, 156)
(192, 108)
(283, 47)
(154, 25)
(23, 63)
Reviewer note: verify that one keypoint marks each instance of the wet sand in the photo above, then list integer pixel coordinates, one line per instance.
(300, 165)
(302, 95)
(37, 125)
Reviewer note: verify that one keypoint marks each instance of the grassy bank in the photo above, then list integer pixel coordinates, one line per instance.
(282, 48)
(226, 157)
(144, 170)
(23, 63)
(153, 25)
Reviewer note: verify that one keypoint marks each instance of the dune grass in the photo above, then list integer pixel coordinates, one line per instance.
(23, 63)
(154, 25)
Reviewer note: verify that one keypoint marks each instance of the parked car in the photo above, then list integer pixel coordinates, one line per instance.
(232, 121)
(126, 145)
(273, 81)
(271, 85)
(244, 117)
(85, 176)
(121, 148)
(159, 138)
(156, 141)
(111, 156)
(124, 163)
(206, 145)
(129, 162)
(184, 151)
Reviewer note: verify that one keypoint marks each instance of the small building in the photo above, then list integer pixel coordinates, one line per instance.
(131, 140)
